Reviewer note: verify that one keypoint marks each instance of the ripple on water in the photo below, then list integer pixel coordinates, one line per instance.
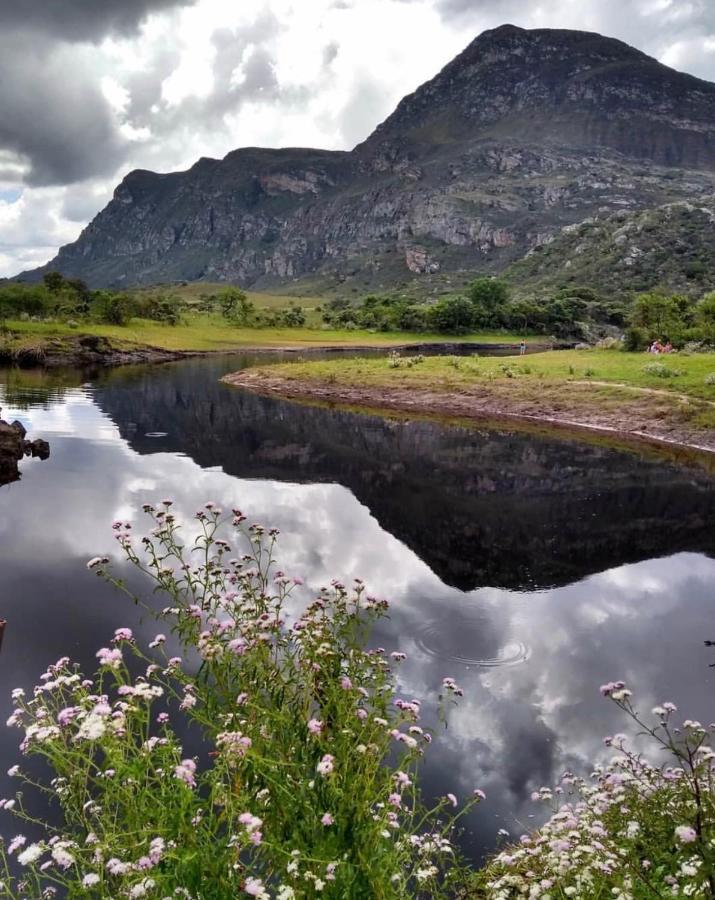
(467, 636)
(156, 434)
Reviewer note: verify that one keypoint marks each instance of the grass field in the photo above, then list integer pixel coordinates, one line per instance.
(539, 370)
(598, 388)
(205, 333)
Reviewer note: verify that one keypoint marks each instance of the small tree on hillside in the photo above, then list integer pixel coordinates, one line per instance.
(54, 282)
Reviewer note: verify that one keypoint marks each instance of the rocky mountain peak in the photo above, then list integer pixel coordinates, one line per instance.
(567, 87)
(524, 133)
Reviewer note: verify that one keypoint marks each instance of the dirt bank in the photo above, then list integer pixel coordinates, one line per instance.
(571, 407)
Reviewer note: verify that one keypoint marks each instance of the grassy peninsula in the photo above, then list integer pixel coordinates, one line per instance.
(666, 398)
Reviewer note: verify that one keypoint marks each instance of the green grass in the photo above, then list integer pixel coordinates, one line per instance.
(607, 387)
(204, 333)
(539, 369)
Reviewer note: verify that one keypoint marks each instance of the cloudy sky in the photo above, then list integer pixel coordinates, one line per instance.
(90, 89)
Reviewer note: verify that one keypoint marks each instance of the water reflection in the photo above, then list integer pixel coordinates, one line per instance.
(446, 523)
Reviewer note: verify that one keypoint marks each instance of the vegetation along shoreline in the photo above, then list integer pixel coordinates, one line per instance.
(597, 391)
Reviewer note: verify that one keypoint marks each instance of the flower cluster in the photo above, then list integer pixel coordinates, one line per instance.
(305, 784)
(634, 830)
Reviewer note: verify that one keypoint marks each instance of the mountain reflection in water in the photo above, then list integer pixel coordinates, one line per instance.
(531, 570)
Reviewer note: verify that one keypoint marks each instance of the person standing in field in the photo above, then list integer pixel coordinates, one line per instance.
(522, 347)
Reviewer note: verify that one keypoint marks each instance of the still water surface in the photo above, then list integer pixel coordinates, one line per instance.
(530, 570)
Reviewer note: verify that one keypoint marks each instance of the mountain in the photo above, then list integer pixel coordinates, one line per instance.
(524, 133)
(670, 246)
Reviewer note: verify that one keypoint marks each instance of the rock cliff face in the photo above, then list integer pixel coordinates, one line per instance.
(525, 132)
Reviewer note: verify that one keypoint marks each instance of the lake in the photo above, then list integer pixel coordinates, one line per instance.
(530, 569)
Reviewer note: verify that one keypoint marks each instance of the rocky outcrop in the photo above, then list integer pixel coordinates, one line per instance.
(13, 446)
(523, 134)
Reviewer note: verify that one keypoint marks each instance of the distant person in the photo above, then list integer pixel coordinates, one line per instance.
(668, 348)
(522, 347)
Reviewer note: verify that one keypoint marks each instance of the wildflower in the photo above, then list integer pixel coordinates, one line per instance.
(30, 854)
(315, 726)
(480, 793)
(685, 834)
(92, 728)
(452, 799)
(325, 766)
(327, 819)
(110, 658)
(159, 639)
(345, 683)
(402, 779)
(19, 841)
(123, 634)
(61, 856)
(90, 879)
(254, 887)
(14, 771)
(185, 772)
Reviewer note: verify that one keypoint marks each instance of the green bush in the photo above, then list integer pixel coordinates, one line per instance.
(635, 339)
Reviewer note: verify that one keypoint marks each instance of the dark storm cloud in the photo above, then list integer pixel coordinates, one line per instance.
(53, 117)
(79, 20)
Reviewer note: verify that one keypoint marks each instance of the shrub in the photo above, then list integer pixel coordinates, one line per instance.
(710, 379)
(307, 783)
(116, 309)
(660, 370)
(635, 339)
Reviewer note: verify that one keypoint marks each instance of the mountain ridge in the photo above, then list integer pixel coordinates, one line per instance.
(522, 134)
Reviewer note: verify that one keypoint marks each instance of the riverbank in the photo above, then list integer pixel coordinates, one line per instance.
(55, 344)
(605, 391)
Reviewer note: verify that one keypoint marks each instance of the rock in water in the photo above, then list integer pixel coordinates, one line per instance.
(13, 447)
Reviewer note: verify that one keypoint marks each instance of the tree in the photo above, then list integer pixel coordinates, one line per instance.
(453, 315)
(54, 282)
(705, 310)
(236, 306)
(658, 313)
(488, 295)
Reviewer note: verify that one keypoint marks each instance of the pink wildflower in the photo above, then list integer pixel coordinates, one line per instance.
(185, 772)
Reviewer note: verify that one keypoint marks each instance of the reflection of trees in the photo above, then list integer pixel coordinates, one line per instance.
(502, 509)
(24, 388)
